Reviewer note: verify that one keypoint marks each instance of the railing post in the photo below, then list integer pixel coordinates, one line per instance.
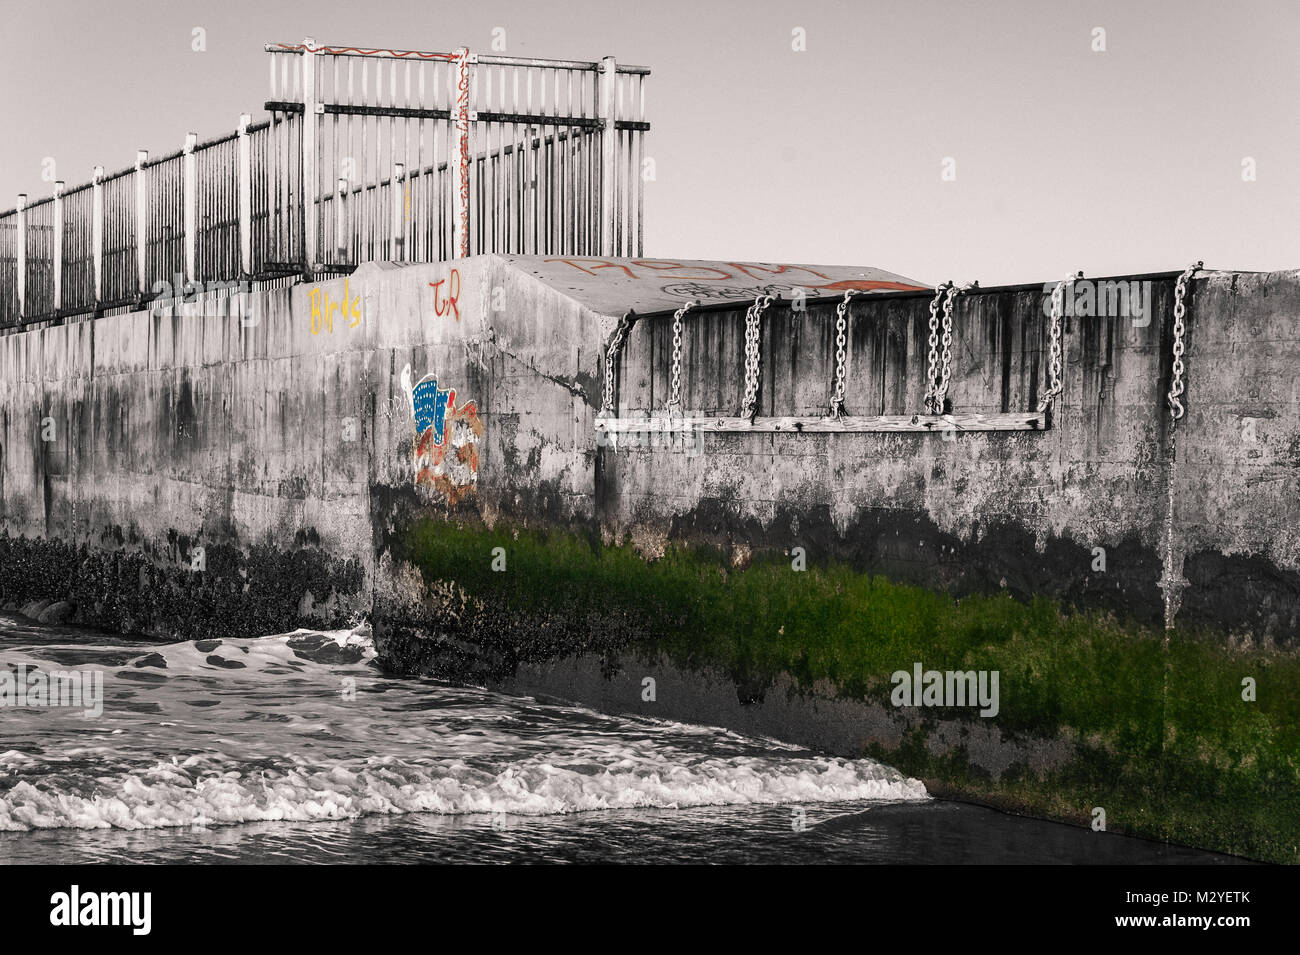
(309, 183)
(398, 189)
(97, 231)
(245, 197)
(58, 245)
(21, 249)
(341, 240)
(459, 158)
(142, 220)
(190, 201)
(607, 104)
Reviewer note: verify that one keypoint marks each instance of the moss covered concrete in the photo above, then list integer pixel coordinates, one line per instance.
(1154, 731)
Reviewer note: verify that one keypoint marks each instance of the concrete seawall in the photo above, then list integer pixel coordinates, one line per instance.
(438, 449)
(277, 423)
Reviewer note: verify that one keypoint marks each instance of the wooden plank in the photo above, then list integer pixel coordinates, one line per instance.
(1014, 421)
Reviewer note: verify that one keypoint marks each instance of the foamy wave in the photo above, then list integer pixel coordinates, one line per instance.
(170, 795)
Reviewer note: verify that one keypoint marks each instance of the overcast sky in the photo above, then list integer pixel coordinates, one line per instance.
(1128, 160)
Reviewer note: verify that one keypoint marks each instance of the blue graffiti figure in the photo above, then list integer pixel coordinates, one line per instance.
(430, 406)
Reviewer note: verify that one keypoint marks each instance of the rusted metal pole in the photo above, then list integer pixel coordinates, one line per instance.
(458, 160)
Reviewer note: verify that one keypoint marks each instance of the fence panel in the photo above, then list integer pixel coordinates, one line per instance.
(121, 275)
(40, 260)
(629, 132)
(77, 289)
(379, 113)
(165, 239)
(9, 269)
(538, 130)
(217, 245)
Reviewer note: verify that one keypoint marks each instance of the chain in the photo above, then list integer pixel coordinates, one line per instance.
(940, 393)
(1180, 331)
(841, 324)
(611, 359)
(752, 354)
(1170, 582)
(932, 373)
(675, 401)
(1054, 383)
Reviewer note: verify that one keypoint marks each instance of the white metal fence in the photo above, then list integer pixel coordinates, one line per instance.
(393, 155)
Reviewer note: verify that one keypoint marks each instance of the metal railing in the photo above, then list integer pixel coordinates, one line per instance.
(366, 155)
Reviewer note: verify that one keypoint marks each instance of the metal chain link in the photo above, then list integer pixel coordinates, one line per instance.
(752, 318)
(1176, 386)
(1171, 582)
(841, 355)
(932, 372)
(611, 359)
(675, 400)
(940, 393)
(1054, 382)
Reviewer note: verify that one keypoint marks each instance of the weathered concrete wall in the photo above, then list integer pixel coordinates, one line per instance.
(271, 421)
(1021, 510)
(265, 421)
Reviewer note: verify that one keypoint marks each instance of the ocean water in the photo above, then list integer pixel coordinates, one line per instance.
(296, 748)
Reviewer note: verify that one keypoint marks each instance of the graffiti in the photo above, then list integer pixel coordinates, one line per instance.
(445, 455)
(323, 309)
(701, 292)
(441, 307)
(462, 129)
(690, 277)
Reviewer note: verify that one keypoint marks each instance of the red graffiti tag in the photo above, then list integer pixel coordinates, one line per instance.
(441, 307)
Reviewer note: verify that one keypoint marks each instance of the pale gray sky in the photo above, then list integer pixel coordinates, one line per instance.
(1124, 161)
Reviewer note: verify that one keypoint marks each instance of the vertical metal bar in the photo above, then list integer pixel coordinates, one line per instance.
(97, 231)
(640, 172)
(20, 249)
(605, 100)
(334, 154)
(397, 192)
(310, 183)
(245, 188)
(340, 236)
(58, 244)
(352, 244)
(190, 200)
(141, 220)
